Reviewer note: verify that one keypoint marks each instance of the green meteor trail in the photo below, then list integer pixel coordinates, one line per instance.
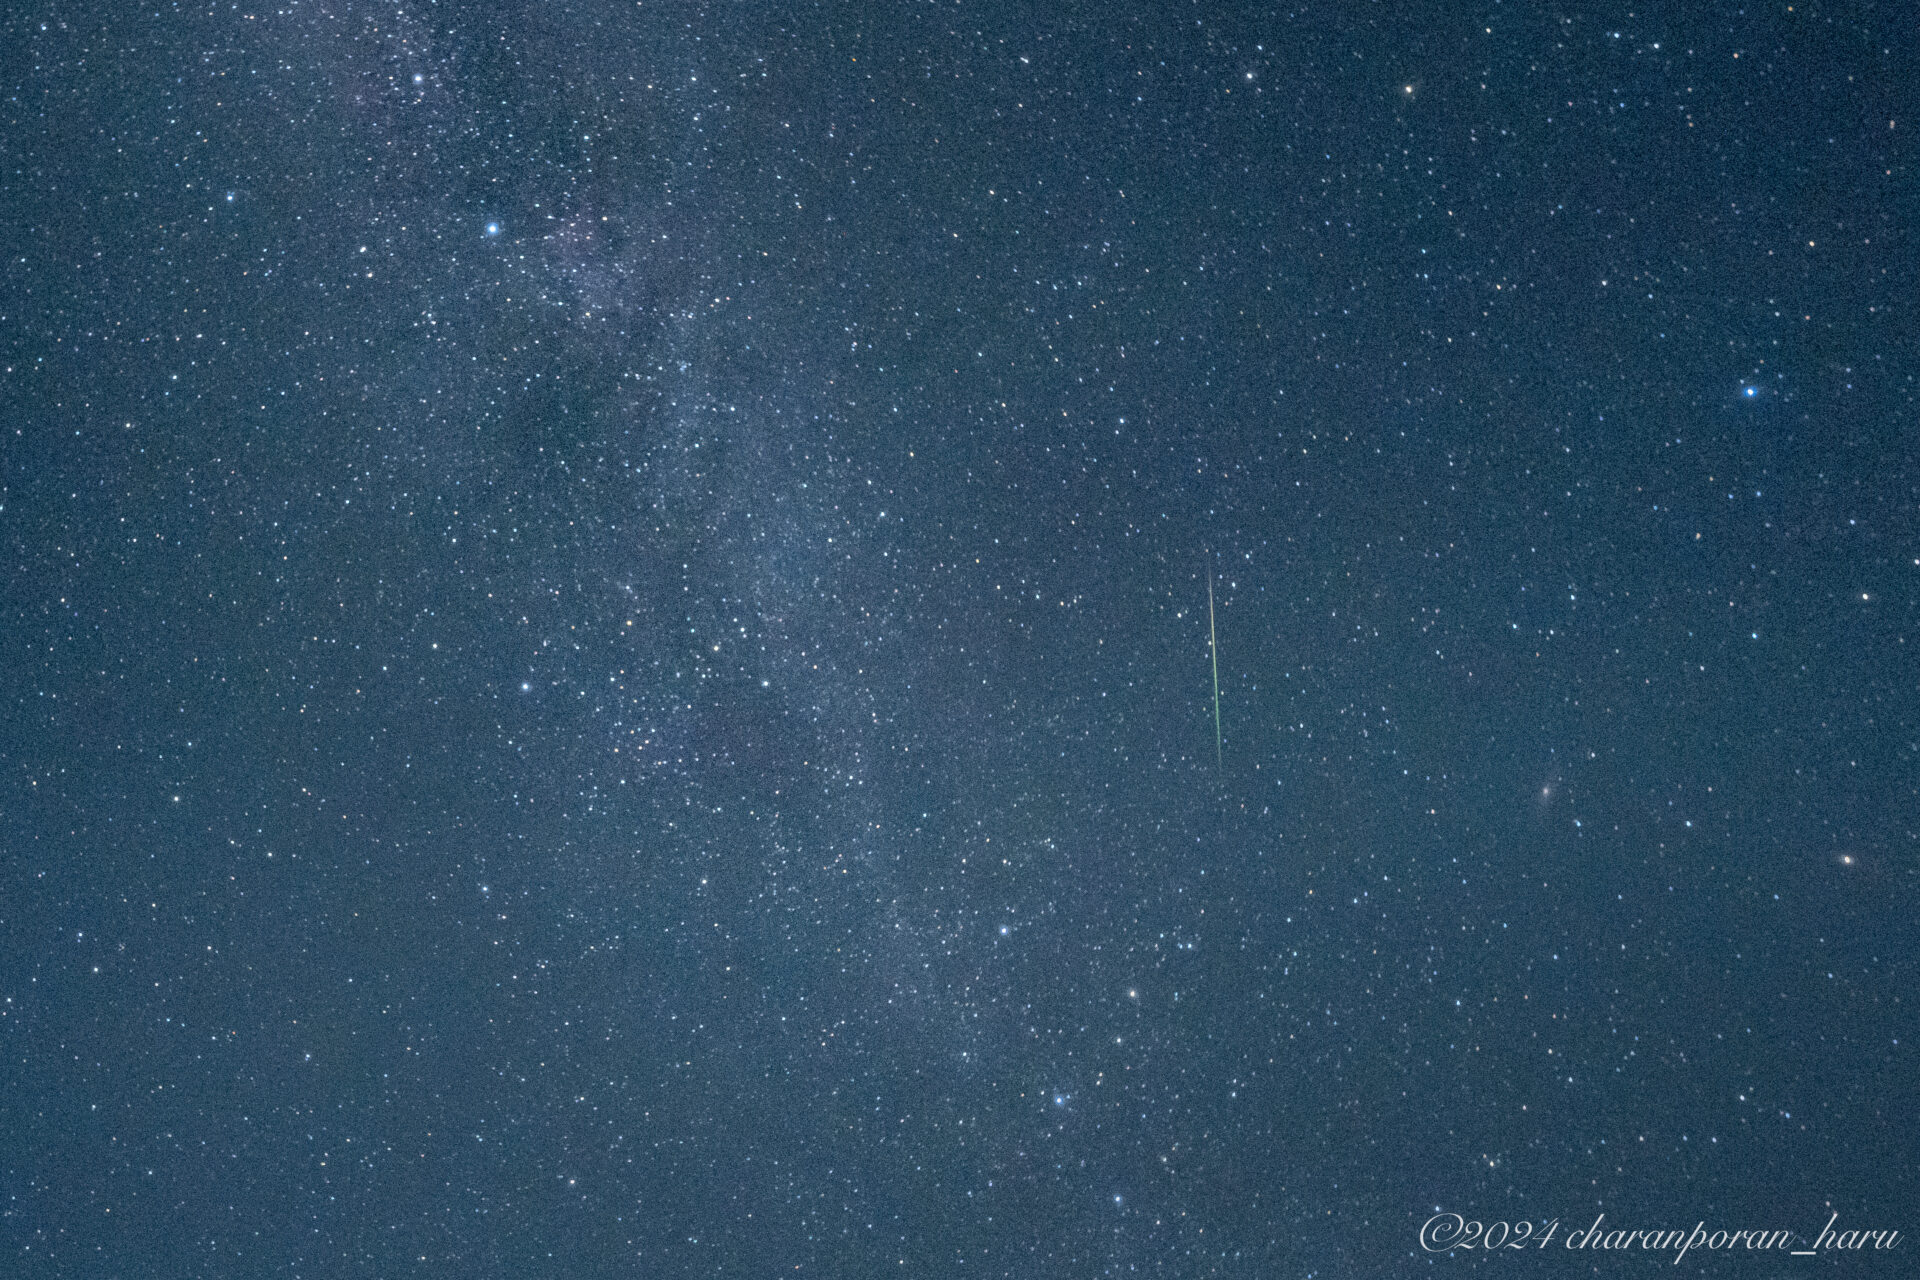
(1213, 647)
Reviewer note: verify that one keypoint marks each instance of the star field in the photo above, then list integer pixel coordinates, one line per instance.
(950, 639)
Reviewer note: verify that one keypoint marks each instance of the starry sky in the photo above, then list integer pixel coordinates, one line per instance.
(1019, 639)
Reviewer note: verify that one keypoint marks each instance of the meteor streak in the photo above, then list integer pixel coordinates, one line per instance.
(1213, 647)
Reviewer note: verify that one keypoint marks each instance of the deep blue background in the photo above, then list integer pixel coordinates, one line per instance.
(607, 656)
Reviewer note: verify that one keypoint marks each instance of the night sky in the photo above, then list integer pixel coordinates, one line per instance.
(610, 622)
